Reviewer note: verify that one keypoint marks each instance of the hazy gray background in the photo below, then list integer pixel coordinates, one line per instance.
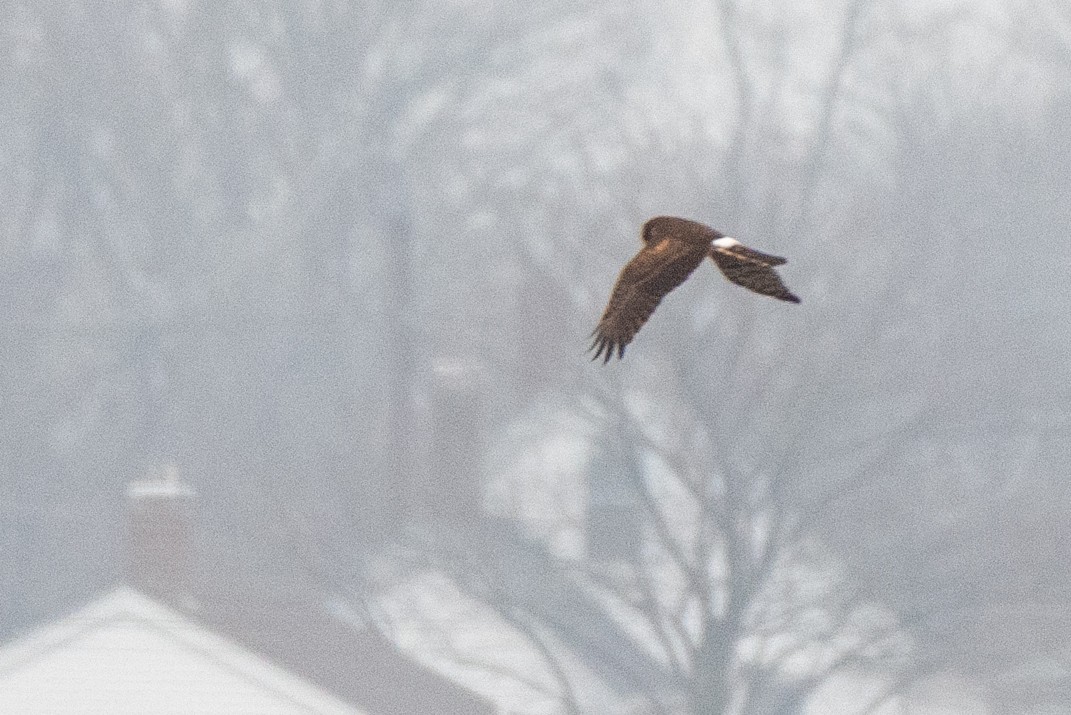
(339, 261)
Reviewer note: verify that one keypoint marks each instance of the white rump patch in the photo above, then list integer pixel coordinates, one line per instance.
(726, 242)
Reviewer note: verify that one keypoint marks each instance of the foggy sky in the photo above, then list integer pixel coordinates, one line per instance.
(338, 263)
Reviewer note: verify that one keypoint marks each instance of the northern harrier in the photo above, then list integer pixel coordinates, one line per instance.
(672, 249)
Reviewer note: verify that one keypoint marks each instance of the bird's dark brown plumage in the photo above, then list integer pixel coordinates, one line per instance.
(672, 249)
(752, 270)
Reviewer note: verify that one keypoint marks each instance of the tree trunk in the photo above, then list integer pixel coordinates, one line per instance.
(711, 686)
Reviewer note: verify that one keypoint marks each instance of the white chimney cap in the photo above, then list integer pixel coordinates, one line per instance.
(165, 483)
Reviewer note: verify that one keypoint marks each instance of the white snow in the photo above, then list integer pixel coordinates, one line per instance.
(126, 654)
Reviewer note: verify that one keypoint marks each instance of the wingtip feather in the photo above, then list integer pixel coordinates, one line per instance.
(604, 348)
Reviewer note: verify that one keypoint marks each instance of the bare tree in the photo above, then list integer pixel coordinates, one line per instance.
(734, 443)
(760, 447)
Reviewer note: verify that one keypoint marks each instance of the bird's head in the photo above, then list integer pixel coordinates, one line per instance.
(664, 226)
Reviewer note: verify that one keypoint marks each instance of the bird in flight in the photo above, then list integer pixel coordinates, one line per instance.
(672, 249)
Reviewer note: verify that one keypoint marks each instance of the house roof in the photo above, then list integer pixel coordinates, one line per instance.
(127, 653)
(352, 660)
(510, 660)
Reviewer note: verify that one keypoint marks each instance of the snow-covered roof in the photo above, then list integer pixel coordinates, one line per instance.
(469, 642)
(126, 653)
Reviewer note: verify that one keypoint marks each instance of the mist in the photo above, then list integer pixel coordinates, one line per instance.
(330, 269)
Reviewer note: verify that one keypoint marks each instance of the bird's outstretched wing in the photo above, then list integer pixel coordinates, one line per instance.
(657, 269)
(750, 268)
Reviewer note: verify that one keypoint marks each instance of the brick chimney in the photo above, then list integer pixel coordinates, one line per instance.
(160, 544)
(449, 490)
